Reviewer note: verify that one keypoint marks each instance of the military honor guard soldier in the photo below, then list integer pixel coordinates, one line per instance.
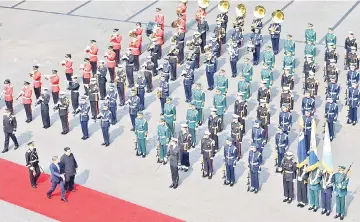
(32, 162)
(281, 145)
(258, 137)
(173, 156)
(254, 162)
(230, 159)
(237, 133)
(208, 153)
(74, 87)
(257, 40)
(210, 69)
(84, 109)
(285, 119)
(68, 64)
(134, 107)
(288, 166)
(185, 143)
(188, 82)
(203, 28)
(244, 88)
(164, 92)
(36, 76)
(192, 122)
(331, 114)
(302, 185)
(106, 117)
(314, 188)
(326, 192)
(287, 99)
(9, 126)
(92, 51)
(44, 100)
(214, 127)
(220, 104)
(7, 93)
(101, 79)
(94, 98)
(333, 90)
(310, 34)
(141, 132)
(163, 133)
(63, 107)
(308, 104)
(111, 98)
(198, 97)
(55, 89)
(170, 115)
(340, 182)
(353, 103)
(129, 59)
(306, 122)
(26, 94)
(120, 82)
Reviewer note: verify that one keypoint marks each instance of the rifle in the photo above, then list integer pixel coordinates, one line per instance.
(136, 144)
(346, 173)
(158, 152)
(202, 164)
(248, 181)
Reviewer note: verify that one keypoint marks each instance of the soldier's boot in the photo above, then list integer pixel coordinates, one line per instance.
(342, 217)
(323, 211)
(328, 213)
(336, 216)
(204, 174)
(285, 200)
(171, 186)
(289, 201)
(210, 176)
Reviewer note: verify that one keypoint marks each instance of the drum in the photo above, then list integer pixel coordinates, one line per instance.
(150, 28)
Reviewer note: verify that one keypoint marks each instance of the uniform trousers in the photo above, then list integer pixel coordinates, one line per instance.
(208, 166)
(188, 92)
(94, 106)
(53, 187)
(45, 116)
(34, 178)
(326, 198)
(121, 92)
(280, 158)
(112, 74)
(353, 114)
(192, 131)
(256, 54)
(197, 60)
(302, 192)
(13, 138)
(69, 182)
(173, 70)
(136, 63)
(185, 158)
(130, 75)
(113, 114)
(74, 100)
(141, 146)
(106, 136)
(340, 205)
(148, 81)
(163, 151)
(171, 127)
(117, 56)
(102, 90)
(69, 78)
(237, 144)
(200, 115)
(55, 96)
(275, 45)
(307, 141)
(86, 82)
(288, 189)
(181, 54)
(85, 128)
(210, 79)
(9, 105)
(230, 173)
(331, 128)
(65, 123)
(314, 198)
(174, 174)
(215, 137)
(233, 65)
(28, 112)
(132, 118)
(203, 42)
(162, 103)
(254, 179)
(141, 94)
(93, 67)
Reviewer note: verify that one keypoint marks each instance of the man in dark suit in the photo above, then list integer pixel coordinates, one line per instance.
(9, 125)
(69, 166)
(56, 178)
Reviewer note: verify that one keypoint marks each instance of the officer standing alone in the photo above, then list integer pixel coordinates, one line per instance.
(289, 176)
(32, 162)
(84, 109)
(174, 159)
(9, 126)
(106, 117)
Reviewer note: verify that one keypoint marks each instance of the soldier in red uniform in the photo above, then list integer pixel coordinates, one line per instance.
(159, 18)
(181, 8)
(86, 69)
(36, 75)
(8, 95)
(26, 94)
(159, 34)
(68, 63)
(201, 12)
(182, 23)
(135, 51)
(138, 33)
(92, 52)
(110, 56)
(115, 40)
(55, 88)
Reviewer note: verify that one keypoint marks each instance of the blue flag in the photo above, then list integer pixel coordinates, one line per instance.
(327, 162)
(301, 152)
(313, 156)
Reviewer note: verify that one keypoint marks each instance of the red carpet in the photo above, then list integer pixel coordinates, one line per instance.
(84, 205)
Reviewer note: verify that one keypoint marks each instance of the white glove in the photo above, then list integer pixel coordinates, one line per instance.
(294, 180)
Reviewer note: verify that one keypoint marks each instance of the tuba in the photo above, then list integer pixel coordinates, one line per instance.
(240, 10)
(223, 6)
(203, 3)
(259, 12)
(277, 16)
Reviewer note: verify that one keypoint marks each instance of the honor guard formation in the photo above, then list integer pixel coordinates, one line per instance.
(122, 81)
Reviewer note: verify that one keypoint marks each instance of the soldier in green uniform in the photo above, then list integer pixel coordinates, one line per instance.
(267, 75)
(340, 182)
(289, 61)
(314, 189)
(170, 115)
(221, 82)
(141, 131)
(310, 34)
(198, 97)
(289, 45)
(244, 88)
(269, 57)
(192, 122)
(310, 49)
(330, 37)
(220, 105)
(163, 133)
(247, 70)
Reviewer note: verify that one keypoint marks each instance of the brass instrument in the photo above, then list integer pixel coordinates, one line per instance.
(173, 39)
(203, 3)
(173, 50)
(132, 33)
(278, 16)
(224, 6)
(175, 24)
(207, 48)
(159, 93)
(240, 10)
(259, 12)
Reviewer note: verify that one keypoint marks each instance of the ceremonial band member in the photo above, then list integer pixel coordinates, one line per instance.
(84, 109)
(198, 97)
(101, 79)
(326, 192)
(9, 126)
(340, 182)
(92, 52)
(281, 145)
(159, 35)
(163, 133)
(36, 75)
(111, 98)
(86, 69)
(55, 89)
(106, 117)
(140, 85)
(26, 94)
(135, 50)
(214, 127)
(94, 98)
(134, 107)
(188, 82)
(237, 133)
(223, 19)
(148, 73)
(56, 178)
(208, 153)
(7, 93)
(184, 139)
(331, 114)
(203, 28)
(237, 36)
(314, 188)
(172, 59)
(120, 82)
(275, 30)
(115, 40)
(310, 34)
(74, 93)
(32, 162)
(173, 155)
(210, 69)
(63, 107)
(129, 66)
(181, 8)
(230, 159)
(44, 107)
(68, 63)
(289, 176)
(111, 63)
(159, 18)
(138, 33)
(180, 44)
(306, 123)
(256, 39)
(69, 165)
(170, 115)
(353, 103)
(258, 137)
(254, 162)
(141, 132)
(234, 52)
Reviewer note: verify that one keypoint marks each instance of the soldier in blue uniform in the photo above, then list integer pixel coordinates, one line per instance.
(215, 46)
(210, 69)
(180, 44)
(192, 122)
(129, 67)
(310, 34)
(281, 145)
(244, 88)
(208, 153)
(105, 116)
(306, 122)
(237, 36)
(188, 81)
(333, 90)
(234, 51)
(308, 104)
(314, 188)
(275, 30)
(220, 104)
(111, 98)
(120, 82)
(173, 155)
(134, 107)
(140, 89)
(256, 39)
(191, 57)
(149, 73)
(331, 114)
(326, 192)
(44, 100)
(254, 162)
(165, 68)
(214, 127)
(230, 159)
(163, 133)
(285, 119)
(353, 76)
(340, 182)
(170, 115)
(353, 103)
(198, 97)
(141, 132)
(269, 57)
(222, 82)
(258, 137)
(164, 92)
(247, 70)
(289, 45)
(84, 109)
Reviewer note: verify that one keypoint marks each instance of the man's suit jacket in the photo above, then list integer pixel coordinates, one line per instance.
(55, 173)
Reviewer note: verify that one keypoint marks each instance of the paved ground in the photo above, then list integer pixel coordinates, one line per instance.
(45, 31)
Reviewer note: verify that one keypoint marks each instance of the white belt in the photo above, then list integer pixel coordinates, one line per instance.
(26, 98)
(93, 55)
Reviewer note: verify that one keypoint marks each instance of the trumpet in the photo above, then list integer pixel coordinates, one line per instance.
(132, 34)
(159, 93)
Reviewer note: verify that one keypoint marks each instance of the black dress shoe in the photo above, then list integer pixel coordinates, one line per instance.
(285, 200)
(48, 196)
(256, 191)
(315, 209)
(33, 186)
(328, 213)
(106, 145)
(299, 204)
(342, 217)
(231, 184)
(289, 201)
(171, 186)
(143, 156)
(225, 183)
(336, 216)
(175, 186)
(311, 208)
(323, 211)
(103, 144)
(63, 199)
(186, 170)
(210, 177)
(62, 133)
(4, 151)
(354, 123)
(83, 138)
(16, 146)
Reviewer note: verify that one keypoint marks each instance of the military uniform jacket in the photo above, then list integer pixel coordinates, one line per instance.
(286, 80)
(285, 120)
(308, 66)
(310, 34)
(197, 42)
(315, 179)
(237, 36)
(353, 97)
(236, 131)
(287, 98)
(222, 83)
(254, 161)
(244, 87)
(289, 61)
(240, 108)
(230, 154)
(234, 54)
(163, 134)
(310, 50)
(9, 124)
(332, 72)
(282, 143)
(256, 38)
(258, 135)
(211, 64)
(331, 111)
(102, 75)
(302, 175)
(189, 77)
(258, 24)
(172, 57)
(333, 90)
(289, 46)
(105, 117)
(289, 169)
(192, 118)
(263, 93)
(277, 28)
(352, 77)
(149, 65)
(164, 89)
(310, 84)
(169, 112)
(44, 101)
(121, 76)
(220, 104)
(353, 58)
(247, 71)
(308, 104)
(141, 83)
(330, 55)
(207, 148)
(180, 39)
(94, 93)
(215, 47)
(330, 38)
(32, 158)
(326, 182)
(84, 112)
(224, 18)
(307, 124)
(267, 75)
(134, 104)
(184, 140)
(173, 155)
(129, 60)
(350, 42)
(166, 67)
(214, 124)
(269, 58)
(203, 27)
(141, 128)
(340, 185)
(111, 97)
(63, 107)
(264, 115)
(198, 96)
(74, 87)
